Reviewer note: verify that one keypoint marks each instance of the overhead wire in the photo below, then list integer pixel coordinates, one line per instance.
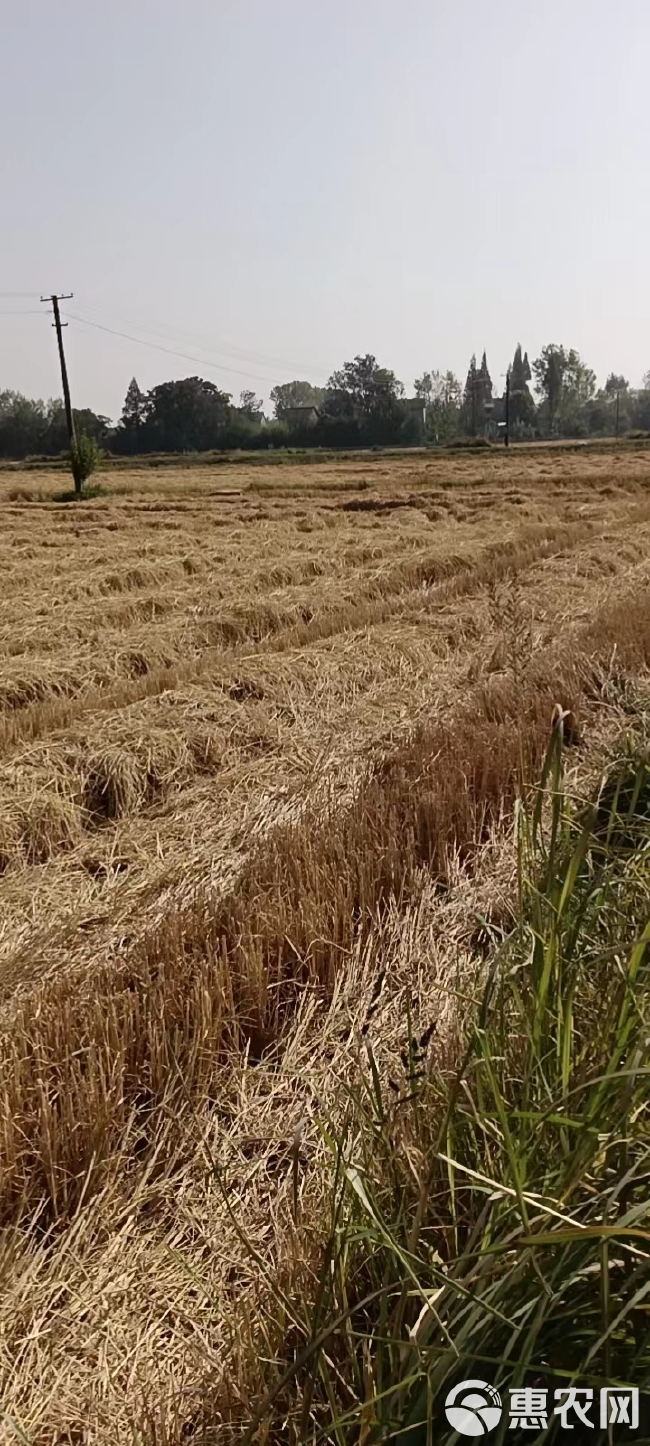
(151, 339)
(170, 351)
(168, 332)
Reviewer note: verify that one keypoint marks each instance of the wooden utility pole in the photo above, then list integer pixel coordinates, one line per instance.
(507, 436)
(618, 397)
(66, 385)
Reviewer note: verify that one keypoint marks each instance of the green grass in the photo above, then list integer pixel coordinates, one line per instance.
(280, 456)
(86, 494)
(492, 1219)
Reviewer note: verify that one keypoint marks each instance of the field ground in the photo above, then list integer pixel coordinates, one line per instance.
(250, 716)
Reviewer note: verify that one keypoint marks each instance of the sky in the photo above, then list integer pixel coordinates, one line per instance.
(256, 192)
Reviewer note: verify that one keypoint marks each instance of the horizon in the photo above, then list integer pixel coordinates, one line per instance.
(498, 385)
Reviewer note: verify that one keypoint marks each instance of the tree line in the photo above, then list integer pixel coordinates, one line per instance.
(363, 404)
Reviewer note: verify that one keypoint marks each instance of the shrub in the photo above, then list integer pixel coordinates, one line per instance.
(84, 459)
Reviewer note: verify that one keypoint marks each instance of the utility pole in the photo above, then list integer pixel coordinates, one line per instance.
(66, 296)
(617, 404)
(507, 435)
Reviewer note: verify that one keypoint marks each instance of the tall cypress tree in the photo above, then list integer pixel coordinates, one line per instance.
(485, 382)
(522, 406)
(517, 372)
(133, 411)
(470, 411)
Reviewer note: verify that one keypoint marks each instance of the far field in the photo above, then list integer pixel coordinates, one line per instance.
(201, 669)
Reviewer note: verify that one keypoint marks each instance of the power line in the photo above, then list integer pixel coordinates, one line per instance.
(171, 333)
(155, 346)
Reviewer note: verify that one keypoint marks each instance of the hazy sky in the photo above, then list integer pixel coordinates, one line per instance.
(271, 186)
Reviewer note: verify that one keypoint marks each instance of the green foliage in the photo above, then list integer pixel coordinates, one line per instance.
(601, 413)
(363, 392)
(485, 380)
(361, 406)
(566, 385)
(295, 394)
(86, 494)
(616, 383)
(134, 414)
(84, 459)
(192, 413)
(250, 404)
(640, 417)
(469, 413)
(29, 428)
(490, 1220)
(522, 406)
(442, 394)
(549, 371)
(477, 398)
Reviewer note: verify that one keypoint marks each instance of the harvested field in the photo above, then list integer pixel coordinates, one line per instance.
(262, 732)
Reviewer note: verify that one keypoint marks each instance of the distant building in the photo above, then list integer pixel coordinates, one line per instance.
(297, 417)
(417, 412)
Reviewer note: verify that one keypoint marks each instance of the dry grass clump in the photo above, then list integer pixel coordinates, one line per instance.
(95, 782)
(116, 780)
(31, 684)
(36, 829)
(56, 713)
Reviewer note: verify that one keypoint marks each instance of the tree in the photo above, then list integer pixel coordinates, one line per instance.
(84, 457)
(522, 406)
(442, 394)
(362, 406)
(32, 427)
(566, 385)
(363, 390)
(250, 404)
(641, 410)
(517, 372)
(295, 394)
(423, 386)
(134, 411)
(130, 432)
(645, 384)
(485, 383)
(188, 415)
(469, 412)
(54, 437)
(477, 397)
(615, 384)
(22, 424)
(549, 369)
